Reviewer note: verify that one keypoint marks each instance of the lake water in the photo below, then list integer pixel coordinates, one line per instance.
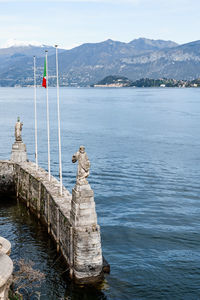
(144, 148)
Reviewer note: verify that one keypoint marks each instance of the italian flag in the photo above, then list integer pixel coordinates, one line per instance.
(44, 81)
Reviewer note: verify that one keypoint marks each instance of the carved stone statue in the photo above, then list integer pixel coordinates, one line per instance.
(18, 154)
(18, 130)
(83, 166)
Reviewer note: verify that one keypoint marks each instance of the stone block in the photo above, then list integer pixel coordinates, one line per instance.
(83, 191)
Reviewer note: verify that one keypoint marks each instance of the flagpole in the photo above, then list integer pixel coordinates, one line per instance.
(48, 130)
(58, 111)
(36, 149)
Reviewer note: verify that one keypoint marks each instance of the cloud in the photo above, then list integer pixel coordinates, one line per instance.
(15, 42)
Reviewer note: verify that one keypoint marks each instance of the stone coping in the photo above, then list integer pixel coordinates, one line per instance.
(5, 246)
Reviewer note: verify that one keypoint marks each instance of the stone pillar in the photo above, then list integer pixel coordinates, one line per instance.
(18, 154)
(87, 253)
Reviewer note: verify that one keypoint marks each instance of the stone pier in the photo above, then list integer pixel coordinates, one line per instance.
(70, 219)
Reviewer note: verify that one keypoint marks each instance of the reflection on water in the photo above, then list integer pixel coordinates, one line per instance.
(144, 149)
(30, 241)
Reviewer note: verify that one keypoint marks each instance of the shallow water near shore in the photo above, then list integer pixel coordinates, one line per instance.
(144, 149)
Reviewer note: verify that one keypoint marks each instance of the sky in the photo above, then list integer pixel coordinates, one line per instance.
(70, 23)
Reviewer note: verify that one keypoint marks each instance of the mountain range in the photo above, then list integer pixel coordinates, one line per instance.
(91, 62)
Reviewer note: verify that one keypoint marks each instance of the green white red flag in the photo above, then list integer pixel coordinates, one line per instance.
(44, 81)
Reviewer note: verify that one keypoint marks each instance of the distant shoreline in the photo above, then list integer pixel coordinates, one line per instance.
(121, 81)
(98, 87)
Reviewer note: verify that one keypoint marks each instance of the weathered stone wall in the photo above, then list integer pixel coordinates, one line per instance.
(6, 178)
(43, 198)
(71, 222)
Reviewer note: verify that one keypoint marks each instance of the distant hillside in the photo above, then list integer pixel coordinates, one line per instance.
(114, 80)
(89, 63)
(16, 63)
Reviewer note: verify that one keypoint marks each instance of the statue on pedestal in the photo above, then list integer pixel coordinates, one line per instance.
(87, 254)
(83, 166)
(18, 130)
(18, 154)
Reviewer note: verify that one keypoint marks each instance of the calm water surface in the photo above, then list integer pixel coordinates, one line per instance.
(144, 148)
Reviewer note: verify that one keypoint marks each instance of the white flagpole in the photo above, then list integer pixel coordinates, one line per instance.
(58, 110)
(48, 130)
(36, 149)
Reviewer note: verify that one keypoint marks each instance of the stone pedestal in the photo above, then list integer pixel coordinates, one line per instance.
(18, 154)
(87, 253)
